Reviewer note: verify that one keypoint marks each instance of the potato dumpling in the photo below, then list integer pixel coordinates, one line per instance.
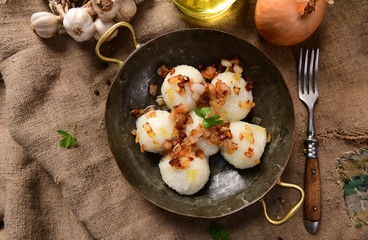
(188, 179)
(231, 101)
(246, 147)
(205, 145)
(153, 128)
(179, 84)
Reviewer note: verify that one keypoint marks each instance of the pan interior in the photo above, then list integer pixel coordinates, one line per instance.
(228, 189)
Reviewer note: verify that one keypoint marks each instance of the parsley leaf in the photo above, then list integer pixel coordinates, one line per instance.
(202, 112)
(210, 121)
(218, 232)
(67, 138)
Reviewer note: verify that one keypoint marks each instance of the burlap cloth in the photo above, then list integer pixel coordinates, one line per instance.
(48, 192)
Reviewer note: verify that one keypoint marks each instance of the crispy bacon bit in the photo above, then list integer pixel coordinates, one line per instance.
(250, 153)
(134, 132)
(246, 105)
(180, 108)
(175, 79)
(163, 70)
(176, 149)
(179, 114)
(137, 139)
(195, 134)
(248, 136)
(137, 112)
(241, 135)
(175, 162)
(250, 103)
(229, 150)
(181, 84)
(180, 153)
(209, 73)
(220, 92)
(233, 146)
(256, 161)
(268, 139)
(151, 114)
(236, 90)
(185, 162)
(167, 146)
(182, 91)
(142, 148)
(205, 98)
(160, 101)
(249, 85)
(147, 127)
(172, 71)
(218, 134)
(152, 88)
(247, 127)
(199, 153)
(189, 120)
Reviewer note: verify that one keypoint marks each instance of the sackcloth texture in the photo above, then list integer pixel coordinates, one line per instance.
(48, 192)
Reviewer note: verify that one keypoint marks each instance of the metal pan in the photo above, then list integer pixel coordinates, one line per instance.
(229, 189)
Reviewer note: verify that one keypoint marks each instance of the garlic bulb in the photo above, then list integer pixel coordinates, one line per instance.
(45, 24)
(101, 28)
(106, 9)
(79, 24)
(127, 10)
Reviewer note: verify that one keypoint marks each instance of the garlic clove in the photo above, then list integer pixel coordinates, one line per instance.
(101, 28)
(79, 24)
(106, 9)
(127, 10)
(45, 24)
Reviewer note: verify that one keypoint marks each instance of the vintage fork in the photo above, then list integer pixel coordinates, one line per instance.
(308, 94)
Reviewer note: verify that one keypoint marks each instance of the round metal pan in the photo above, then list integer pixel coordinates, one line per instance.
(228, 189)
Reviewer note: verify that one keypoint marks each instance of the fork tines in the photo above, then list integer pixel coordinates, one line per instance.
(312, 74)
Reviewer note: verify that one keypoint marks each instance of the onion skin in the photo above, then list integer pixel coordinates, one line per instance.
(284, 22)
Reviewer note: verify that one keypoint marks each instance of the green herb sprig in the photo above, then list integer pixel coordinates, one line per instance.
(68, 139)
(218, 232)
(210, 121)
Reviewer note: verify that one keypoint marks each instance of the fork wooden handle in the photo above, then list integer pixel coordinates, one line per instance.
(313, 199)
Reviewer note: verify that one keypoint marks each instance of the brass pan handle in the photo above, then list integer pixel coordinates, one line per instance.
(107, 35)
(292, 211)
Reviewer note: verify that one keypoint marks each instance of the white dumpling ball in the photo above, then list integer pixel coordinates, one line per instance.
(153, 128)
(175, 89)
(236, 104)
(245, 148)
(203, 144)
(186, 180)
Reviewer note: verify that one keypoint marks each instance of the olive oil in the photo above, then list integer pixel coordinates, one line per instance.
(203, 9)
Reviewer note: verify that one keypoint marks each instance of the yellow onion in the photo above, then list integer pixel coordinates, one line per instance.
(288, 22)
